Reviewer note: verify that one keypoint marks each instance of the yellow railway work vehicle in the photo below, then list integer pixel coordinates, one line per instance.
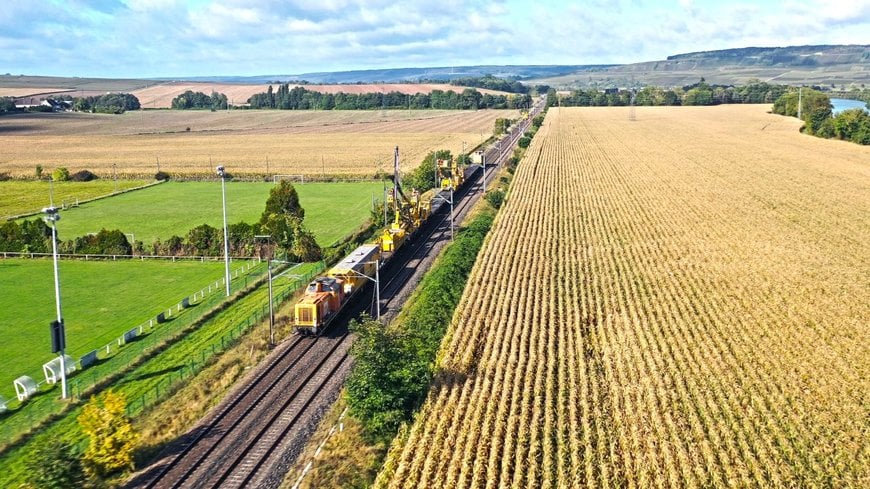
(409, 212)
(449, 175)
(326, 295)
(356, 268)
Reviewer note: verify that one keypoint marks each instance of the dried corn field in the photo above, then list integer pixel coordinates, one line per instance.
(676, 301)
(261, 142)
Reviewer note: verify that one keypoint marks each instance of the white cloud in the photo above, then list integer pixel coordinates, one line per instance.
(210, 37)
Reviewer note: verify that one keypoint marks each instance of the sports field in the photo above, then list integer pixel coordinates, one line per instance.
(253, 142)
(20, 197)
(100, 299)
(332, 210)
(679, 300)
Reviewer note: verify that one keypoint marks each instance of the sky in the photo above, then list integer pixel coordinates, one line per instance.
(177, 38)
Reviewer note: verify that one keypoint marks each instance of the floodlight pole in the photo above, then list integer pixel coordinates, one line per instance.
(52, 216)
(222, 174)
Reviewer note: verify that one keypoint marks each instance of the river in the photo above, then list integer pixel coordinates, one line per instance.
(841, 104)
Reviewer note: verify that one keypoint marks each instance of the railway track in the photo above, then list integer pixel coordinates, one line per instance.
(256, 433)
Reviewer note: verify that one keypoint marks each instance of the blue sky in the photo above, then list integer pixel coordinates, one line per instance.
(175, 38)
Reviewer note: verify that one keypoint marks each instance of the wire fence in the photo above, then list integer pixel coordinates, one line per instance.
(204, 356)
(108, 363)
(83, 256)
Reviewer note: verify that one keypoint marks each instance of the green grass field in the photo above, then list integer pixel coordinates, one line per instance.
(140, 383)
(332, 210)
(101, 300)
(23, 197)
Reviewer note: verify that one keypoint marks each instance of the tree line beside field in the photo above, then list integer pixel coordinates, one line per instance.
(300, 98)
(110, 103)
(282, 219)
(701, 93)
(394, 365)
(490, 82)
(198, 100)
(817, 114)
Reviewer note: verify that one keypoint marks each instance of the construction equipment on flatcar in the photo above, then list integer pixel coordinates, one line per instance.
(448, 174)
(408, 212)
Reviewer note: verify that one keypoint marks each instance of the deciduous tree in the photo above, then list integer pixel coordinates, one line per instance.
(112, 439)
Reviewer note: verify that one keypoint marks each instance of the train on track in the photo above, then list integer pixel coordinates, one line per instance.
(326, 295)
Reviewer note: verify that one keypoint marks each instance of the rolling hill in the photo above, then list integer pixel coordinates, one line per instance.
(824, 65)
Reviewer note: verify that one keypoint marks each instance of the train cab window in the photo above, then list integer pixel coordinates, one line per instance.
(305, 315)
(312, 288)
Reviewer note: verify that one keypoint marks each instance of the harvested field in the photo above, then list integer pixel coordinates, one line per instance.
(295, 142)
(29, 92)
(160, 96)
(676, 301)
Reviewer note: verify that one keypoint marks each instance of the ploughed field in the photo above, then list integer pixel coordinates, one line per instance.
(681, 300)
(245, 141)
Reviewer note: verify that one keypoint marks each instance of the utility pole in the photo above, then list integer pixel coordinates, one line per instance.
(483, 164)
(271, 307)
(800, 101)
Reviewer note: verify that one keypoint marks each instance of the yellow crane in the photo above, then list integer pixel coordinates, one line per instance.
(408, 212)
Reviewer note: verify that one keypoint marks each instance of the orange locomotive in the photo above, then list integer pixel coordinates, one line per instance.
(326, 295)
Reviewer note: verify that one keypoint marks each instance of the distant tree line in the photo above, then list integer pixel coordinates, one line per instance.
(490, 82)
(281, 219)
(110, 103)
(7, 105)
(199, 100)
(817, 114)
(300, 98)
(701, 93)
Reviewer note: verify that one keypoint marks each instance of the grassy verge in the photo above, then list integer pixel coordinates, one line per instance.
(168, 366)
